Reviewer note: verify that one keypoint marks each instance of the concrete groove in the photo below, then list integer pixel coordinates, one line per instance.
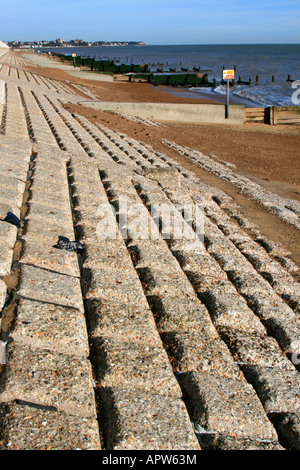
(254, 373)
(277, 275)
(238, 262)
(287, 209)
(105, 345)
(49, 368)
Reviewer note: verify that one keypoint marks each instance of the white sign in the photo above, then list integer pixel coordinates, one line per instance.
(228, 74)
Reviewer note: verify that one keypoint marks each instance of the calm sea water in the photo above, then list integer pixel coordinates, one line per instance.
(266, 60)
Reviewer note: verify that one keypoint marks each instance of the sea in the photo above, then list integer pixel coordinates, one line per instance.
(274, 69)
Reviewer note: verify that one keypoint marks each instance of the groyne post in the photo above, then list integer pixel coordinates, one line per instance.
(227, 100)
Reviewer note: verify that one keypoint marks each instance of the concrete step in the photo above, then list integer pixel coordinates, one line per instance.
(159, 283)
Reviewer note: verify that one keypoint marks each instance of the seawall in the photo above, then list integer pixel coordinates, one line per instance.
(174, 112)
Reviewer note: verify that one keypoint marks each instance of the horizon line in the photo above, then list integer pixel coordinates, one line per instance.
(172, 44)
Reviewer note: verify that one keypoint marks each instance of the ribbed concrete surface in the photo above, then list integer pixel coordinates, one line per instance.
(139, 342)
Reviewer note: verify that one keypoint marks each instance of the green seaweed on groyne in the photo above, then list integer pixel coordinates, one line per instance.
(138, 72)
(101, 65)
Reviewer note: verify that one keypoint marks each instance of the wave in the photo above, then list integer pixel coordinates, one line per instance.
(279, 94)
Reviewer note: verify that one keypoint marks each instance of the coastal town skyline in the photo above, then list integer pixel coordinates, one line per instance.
(156, 22)
(72, 43)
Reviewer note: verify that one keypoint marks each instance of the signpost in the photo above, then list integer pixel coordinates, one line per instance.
(227, 75)
(74, 55)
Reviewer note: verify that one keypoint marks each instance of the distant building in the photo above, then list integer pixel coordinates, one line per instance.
(73, 43)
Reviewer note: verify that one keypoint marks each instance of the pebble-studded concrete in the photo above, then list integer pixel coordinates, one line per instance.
(138, 342)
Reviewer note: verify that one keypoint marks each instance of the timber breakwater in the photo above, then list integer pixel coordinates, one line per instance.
(132, 341)
(139, 72)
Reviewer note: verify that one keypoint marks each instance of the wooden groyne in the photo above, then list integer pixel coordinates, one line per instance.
(140, 72)
(169, 76)
(274, 115)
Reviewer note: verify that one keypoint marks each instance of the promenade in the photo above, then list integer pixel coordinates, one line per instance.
(137, 342)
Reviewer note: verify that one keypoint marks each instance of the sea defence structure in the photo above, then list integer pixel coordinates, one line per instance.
(3, 48)
(127, 341)
(173, 112)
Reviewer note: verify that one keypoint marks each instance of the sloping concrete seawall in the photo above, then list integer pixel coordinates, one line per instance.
(3, 51)
(3, 48)
(174, 112)
(2, 93)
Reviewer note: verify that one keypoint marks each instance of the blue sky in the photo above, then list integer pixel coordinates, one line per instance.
(153, 21)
